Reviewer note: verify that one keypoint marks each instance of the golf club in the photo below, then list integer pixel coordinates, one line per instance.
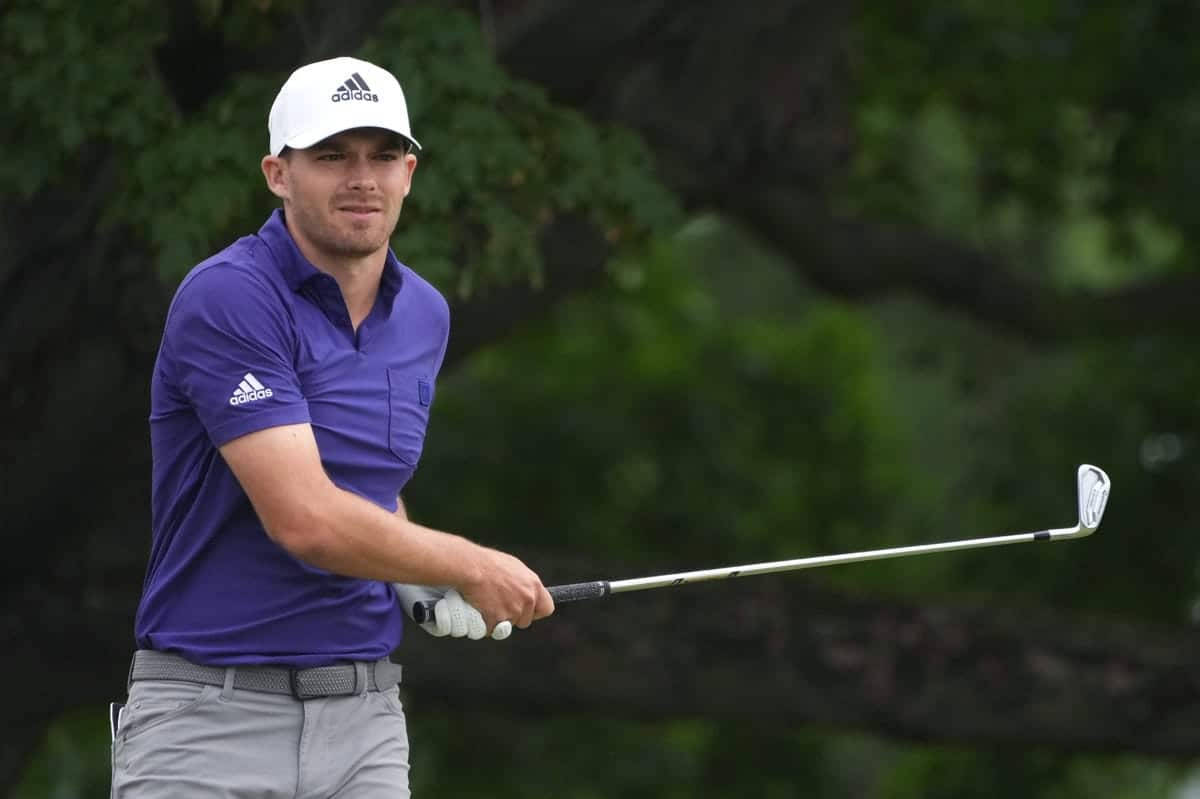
(1092, 486)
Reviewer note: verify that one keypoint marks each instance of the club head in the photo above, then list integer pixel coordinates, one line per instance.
(1093, 485)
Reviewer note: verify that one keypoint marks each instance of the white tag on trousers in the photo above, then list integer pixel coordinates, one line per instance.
(115, 711)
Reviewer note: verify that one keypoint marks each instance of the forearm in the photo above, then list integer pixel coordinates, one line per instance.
(319, 523)
(357, 538)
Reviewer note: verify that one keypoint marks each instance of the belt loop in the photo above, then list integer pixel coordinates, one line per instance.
(227, 688)
(361, 684)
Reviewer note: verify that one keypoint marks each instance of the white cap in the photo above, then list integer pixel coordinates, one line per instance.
(328, 97)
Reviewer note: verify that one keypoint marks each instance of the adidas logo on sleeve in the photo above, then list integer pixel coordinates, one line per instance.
(249, 390)
(354, 88)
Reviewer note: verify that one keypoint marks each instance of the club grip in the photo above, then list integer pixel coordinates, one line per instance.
(571, 592)
(422, 611)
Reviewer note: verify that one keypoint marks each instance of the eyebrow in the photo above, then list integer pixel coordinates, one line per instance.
(339, 143)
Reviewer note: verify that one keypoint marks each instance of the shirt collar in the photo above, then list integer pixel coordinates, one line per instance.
(298, 270)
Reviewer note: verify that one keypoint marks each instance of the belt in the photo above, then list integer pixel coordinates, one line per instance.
(315, 683)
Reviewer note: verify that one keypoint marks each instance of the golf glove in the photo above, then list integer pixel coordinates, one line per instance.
(452, 615)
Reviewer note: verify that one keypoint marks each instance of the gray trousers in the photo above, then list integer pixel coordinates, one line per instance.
(184, 739)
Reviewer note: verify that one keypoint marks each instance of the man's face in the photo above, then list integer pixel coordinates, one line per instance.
(343, 195)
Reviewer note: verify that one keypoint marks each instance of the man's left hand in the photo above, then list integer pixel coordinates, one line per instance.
(452, 615)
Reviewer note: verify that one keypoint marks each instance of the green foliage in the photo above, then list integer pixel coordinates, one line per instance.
(679, 421)
(946, 773)
(704, 408)
(673, 421)
(75, 760)
(1038, 131)
(68, 91)
(594, 758)
(590, 757)
(201, 178)
(1022, 127)
(673, 428)
(500, 161)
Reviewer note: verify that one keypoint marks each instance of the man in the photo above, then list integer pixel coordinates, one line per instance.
(288, 408)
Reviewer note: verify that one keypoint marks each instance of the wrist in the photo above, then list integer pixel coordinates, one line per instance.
(474, 571)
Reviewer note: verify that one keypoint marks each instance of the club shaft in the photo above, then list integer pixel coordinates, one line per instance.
(600, 588)
(774, 567)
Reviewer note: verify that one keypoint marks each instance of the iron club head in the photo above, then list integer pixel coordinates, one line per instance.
(1093, 485)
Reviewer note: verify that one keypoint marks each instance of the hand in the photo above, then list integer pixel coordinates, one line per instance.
(506, 589)
(452, 615)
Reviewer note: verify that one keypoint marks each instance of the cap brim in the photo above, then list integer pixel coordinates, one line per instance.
(310, 137)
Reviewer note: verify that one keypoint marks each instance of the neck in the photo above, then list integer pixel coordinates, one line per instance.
(359, 282)
(357, 276)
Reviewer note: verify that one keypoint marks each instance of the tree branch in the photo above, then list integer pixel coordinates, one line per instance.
(783, 653)
(778, 650)
(860, 260)
(759, 128)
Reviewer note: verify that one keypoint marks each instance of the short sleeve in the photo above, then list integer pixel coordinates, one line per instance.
(229, 350)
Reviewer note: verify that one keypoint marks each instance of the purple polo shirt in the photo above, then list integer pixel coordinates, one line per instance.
(257, 337)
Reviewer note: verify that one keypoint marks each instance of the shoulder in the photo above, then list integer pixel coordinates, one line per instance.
(426, 297)
(231, 296)
(232, 278)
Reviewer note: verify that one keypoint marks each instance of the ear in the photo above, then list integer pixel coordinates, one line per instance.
(275, 170)
(410, 161)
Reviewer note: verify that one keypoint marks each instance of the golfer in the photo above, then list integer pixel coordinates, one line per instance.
(289, 403)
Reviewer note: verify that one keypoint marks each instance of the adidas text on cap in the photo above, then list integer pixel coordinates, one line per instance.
(328, 97)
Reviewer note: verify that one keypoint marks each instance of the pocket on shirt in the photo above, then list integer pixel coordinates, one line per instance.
(410, 396)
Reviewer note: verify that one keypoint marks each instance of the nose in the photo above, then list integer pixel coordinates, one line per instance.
(359, 176)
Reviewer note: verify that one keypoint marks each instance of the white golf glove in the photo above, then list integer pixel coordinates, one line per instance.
(452, 615)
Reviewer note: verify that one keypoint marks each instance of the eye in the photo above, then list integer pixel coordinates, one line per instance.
(330, 157)
(389, 156)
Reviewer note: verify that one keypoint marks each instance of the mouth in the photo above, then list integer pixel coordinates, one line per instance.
(360, 211)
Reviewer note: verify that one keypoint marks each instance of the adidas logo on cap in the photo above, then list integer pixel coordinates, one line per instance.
(364, 96)
(354, 88)
(249, 390)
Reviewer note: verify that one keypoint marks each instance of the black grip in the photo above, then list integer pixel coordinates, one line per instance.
(572, 592)
(423, 611)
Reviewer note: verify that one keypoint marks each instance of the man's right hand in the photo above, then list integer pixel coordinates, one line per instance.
(506, 590)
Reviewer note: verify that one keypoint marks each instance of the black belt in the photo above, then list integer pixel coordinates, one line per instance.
(313, 683)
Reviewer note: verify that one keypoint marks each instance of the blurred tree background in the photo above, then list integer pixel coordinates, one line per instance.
(727, 287)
